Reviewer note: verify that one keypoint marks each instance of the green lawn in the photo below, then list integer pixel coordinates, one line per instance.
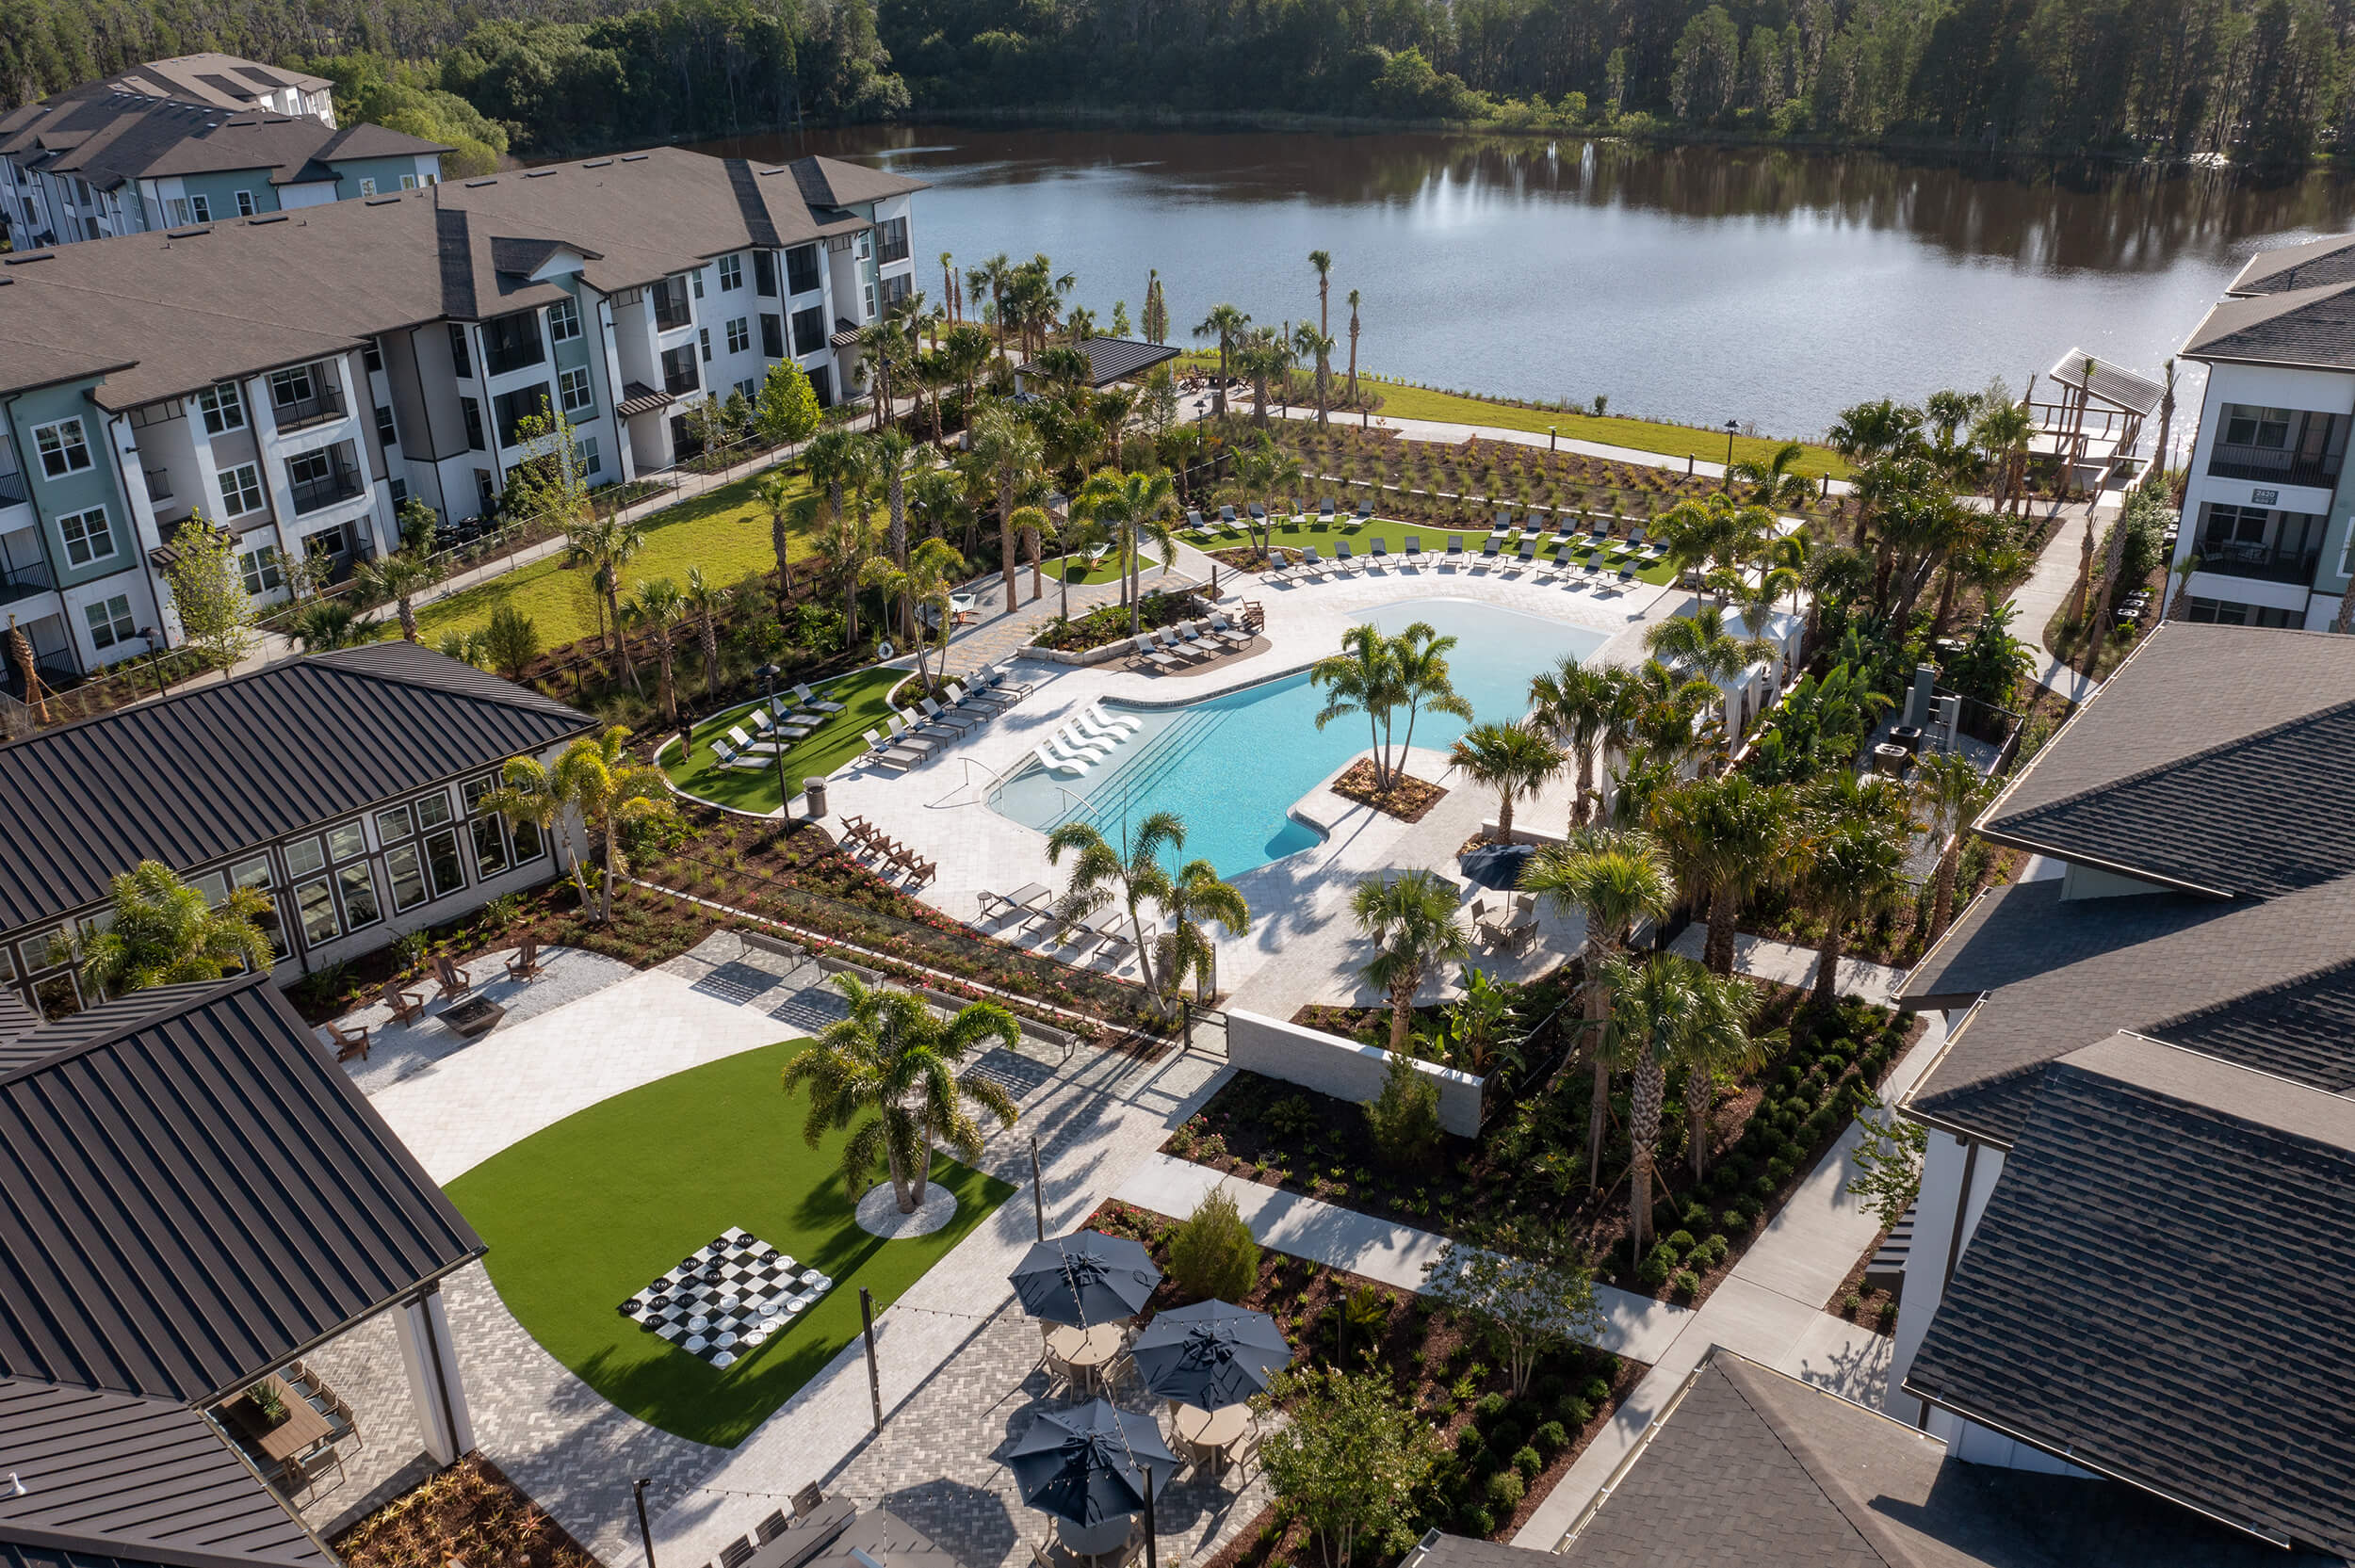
(581, 1215)
(832, 744)
(1296, 536)
(724, 531)
(1106, 570)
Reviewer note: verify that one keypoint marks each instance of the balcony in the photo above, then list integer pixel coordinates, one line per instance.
(22, 582)
(2273, 465)
(12, 491)
(892, 246)
(2263, 563)
(320, 490)
(324, 404)
(679, 372)
(671, 307)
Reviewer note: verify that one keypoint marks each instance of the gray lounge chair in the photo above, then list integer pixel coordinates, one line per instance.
(1324, 510)
(1455, 547)
(1227, 516)
(1489, 547)
(1193, 522)
(1311, 565)
(1413, 550)
(1528, 557)
(1365, 512)
(1504, 520)
(1342, 560)
(1381, 549)
(1145, 649)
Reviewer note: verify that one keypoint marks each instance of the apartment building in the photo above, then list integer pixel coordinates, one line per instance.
(190, 140)
(2265, 509)
(296, 377)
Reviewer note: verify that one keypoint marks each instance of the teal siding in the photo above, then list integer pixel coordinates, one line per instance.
(386, 172)
(220, 190)
(94, 485)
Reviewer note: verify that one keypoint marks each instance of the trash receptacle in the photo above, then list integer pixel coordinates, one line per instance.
(814, 795)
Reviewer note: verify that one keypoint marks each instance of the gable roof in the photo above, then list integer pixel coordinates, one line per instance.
(198, 776)
(197, 1195)
(2316, 261)
(109, 137)
(226, 81)
(2112, 384)
(126, 1479)
(2312, 327)
(2158, 1289)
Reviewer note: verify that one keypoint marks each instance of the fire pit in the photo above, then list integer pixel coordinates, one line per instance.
(475, 1015)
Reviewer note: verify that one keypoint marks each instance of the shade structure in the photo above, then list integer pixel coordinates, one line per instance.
(1085, 1278)
(1088, 1463)
(1211, 1355)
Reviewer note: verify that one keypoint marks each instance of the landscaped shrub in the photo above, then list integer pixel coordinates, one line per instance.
(1685, 1283)
(1548, 1388)
(1525, 1460)
(1492, 1407)
(1505, 1435)
(1551, 1439)
(1468, 1442)
(1213, 1254)
(1507, 1489)
(1476, 1522)
(1656, 1267)
(1681, 1242)
(1576, 1411)
(1404, 1118)
(1597, 1390)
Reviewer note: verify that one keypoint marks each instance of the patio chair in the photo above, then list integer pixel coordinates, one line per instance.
(899, 759)
(932, 729)
(452, 979)
(963, 723)
(1326, 509)
(1191, 635)
(351, 1042)
(1070, 767)
(1636, 536)
(805, 1501)
(1343, 560)
(405, 1004)
(526, 964)
(1528, 557)
(1144, 648)
(1365, 512)
(1178, 650)
(1257, 513)
(904, 738)
(1413, 550)
(1455, 548)
(1120, 722)
(1627, 574)
(815, 704)
(1381, 549)
(737, 1553)
(770, 1527)
(1504, 520)
(1227, 516)
(1311, 565)
(1193, 522)
(305, 1471)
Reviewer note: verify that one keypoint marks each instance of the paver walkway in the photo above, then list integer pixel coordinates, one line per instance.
(2047, 588)
(1764, 958)
(397, 1051)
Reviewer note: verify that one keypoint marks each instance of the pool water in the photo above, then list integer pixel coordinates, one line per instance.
(1232, 765)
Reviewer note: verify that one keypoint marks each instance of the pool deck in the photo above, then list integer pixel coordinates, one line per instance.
(1299, 903)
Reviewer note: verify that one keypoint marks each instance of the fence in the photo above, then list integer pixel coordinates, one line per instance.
(1345, 1068)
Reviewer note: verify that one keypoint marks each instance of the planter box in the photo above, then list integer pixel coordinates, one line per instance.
(1342, 1068)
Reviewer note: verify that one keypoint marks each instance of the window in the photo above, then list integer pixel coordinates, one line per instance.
(2227, 612)
(511, 342)
(765, 274)
(443, 864)
(678, 370)
(702, 340)
(772, 335)
(585, 448)
(394, 822)
(2225, 525)
(175, 212)
(408, 181)
(866, 244)
(510, 409)
(470, 413)
(891, 238)
(801, 269)
(484, 489)
(572, 390)
(304, 856)
(88, 536)
(359, 890)
(317, 907)
(400, 489)
(809, 330)
(240, 489)
(62, 448)
(346, 841)
(490, 847)
(867, 295)
(200, 208)
(731, 273)
(564, 322)
(432, 810)
(898, 287)
(289, 387)
(405, 868)
(386, 434)
(460, 364)
(2249, 426)
(749, 388)
(110, 622)
(259, 568)
(698, 277)
(367, 188)
(740, 335)
(372, 356)
(245, 203)
(222, 405)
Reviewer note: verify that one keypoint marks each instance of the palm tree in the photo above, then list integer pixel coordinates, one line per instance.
(1656, 1007)
(1574, 703)
(1703, 644)
(1196, 895)
(2003, 431)
(891, 1068)
(1617, 880)
(1225, 323)
(1419, 654)
(659, 606)
(399, 577)
(1353, 346)
(1317, 348)
(606, 545)
(325, 624)
(1950, 791)
(934, 567)
(1007, 448)
(1322, 262)
(1136, 877)
(165, 932)
(774, 493)
(1775, 483)
(963, 354)
(1136, 505)
(994, 275)
(1850, 868)
(1265, 356)
(1513, 761)
(1875, 429)
(1726, 838)
(705, 600)
(845, 543)
(1661, 712)
(531, 793)
(1719, 1044)
(1412, 920)
(1362, 678)
(598, 779)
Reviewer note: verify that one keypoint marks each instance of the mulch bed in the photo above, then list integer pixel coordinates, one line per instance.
(1438, 1362)
(1875, 1309)
(1409, 800)
(470, 1512)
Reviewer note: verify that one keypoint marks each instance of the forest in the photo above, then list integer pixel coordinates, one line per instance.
(2262, 83)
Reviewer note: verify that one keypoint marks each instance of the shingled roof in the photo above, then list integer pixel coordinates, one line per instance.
(2310, 328)
(195, 1195)
(2316, 261)
(2158, 1289)
(196, 776)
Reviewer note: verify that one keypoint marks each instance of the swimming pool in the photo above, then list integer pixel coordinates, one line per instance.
(1232, 765)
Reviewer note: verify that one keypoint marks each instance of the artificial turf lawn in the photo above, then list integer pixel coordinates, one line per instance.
(581, 1215)
(724, 531)
(834, 743)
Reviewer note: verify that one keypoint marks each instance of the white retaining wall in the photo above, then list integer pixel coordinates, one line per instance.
(1342, 1068)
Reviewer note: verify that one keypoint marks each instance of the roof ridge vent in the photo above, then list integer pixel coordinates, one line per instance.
(477, 184)
(635, 157)
(598, 163)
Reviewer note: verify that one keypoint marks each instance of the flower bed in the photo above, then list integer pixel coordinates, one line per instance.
(470, 1512)
(1440, 1366)
(1407, 799)
(1110, 622)
(1529, 1166)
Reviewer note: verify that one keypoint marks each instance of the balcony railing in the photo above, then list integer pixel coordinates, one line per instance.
(22, 582)
(12, 491)
(2273, 465)
(893, 247)
(670, 307)
(678, 373)
(2230, 558)
(321, 406)
(310, 495)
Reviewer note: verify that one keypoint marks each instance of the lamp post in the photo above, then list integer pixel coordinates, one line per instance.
(1727, 482)
(646, 1531)
(1554, 437)
(768, 673)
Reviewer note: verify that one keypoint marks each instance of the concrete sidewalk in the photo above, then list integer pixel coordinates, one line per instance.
(2047, 588)
(1762, 957)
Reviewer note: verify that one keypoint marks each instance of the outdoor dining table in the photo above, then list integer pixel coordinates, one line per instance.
(1101, 1539)
(1086, 1352)
(1212, 1430)
(302, 1427)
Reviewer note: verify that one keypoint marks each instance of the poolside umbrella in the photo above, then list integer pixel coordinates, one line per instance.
(1088, 1463)
(1084, 1279)
(1210, 1354)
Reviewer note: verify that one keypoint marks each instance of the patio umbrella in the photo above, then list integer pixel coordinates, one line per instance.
(1084, 1279)
(1210, 1354)
(1088, 1463)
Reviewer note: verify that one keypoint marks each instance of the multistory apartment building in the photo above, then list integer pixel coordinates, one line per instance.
(190, 140)
(2265, 509)
(297, 377)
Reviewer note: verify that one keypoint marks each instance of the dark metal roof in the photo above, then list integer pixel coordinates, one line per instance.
(2158, 1289)
(638, 398)
(1119, 359)
(115, 1476)
(193, 777)
(1748, 1468)
(2112, 384)
(200, 1196)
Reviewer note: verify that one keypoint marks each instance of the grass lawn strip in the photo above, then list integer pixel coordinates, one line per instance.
(1299, 536)
(581, 1215)
(837, 741)
(724, 531)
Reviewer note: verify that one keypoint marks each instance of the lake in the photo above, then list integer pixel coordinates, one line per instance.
(1699, 284)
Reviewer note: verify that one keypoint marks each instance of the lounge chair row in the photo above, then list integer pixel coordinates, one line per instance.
(781, 724)
(1088, 737)
(1190, 642)
(860, 834)
(914, 738)
(1564, 564)
(1029, 907)
(1327, 512)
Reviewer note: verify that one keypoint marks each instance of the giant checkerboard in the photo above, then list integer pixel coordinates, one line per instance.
(726, 1298)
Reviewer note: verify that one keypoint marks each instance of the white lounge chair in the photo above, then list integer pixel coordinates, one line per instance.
(1120, 721)
(1068, 767)
(1070, 739)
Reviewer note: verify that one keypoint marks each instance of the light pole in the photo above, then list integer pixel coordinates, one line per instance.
(768, 673)
(1554, 438)
(1727, 482)
(646, 1531)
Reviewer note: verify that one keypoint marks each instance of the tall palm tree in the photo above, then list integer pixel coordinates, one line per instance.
(847, 539)
(397, 578)
(1420, 657)
(1226, 323)
(891, 1070)
(1136, 877)
(1726, 838)
(659, 606)
(530, 793)
(1950, 792)
(1137, 505)
(1513, 761)
(596, 778)
(1703, 644)
(1197, 897)
(1662, 711)
(924, 582)
(605, 545)
(1615, 878)
(963, 352)
(1412, 920)
(1656, 1005)
(1362, 678)
(1775, 482)
(1574, 703)
(1874, 429)
(1353, 346)
(1317, 348)
(1848, 869)
(1007, 448)
(1719, 1044)
(993, 275)
(165, 932)
(2002, 432)
(705, 600)
(1322, 262)
(774, 493)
